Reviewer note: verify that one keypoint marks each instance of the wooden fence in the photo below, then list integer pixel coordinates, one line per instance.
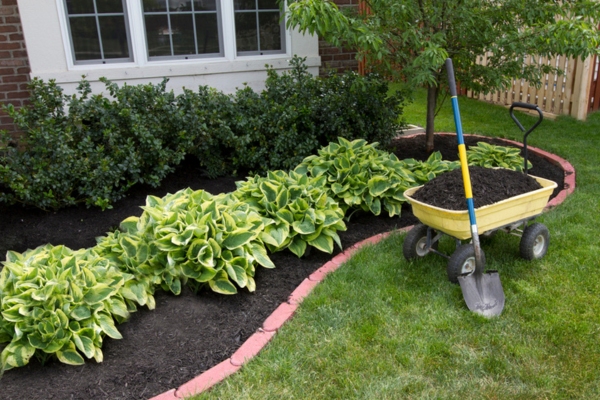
(567, 94)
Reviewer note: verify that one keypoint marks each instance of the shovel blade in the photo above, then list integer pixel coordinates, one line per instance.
(483, 293)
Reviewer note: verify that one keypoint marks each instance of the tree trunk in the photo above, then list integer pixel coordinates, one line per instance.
(432, 94)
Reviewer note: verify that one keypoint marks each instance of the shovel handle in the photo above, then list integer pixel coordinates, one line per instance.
(464, 166)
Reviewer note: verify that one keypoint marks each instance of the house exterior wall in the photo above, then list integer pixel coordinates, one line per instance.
(47, 40)
(338, 59)
(14, 64)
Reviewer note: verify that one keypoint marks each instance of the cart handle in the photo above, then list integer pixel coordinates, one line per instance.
(539, 121)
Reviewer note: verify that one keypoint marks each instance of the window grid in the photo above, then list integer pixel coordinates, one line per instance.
(168, 13)
(258, 11)
(96, 16)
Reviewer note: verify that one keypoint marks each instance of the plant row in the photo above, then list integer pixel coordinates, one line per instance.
(138, 134)
(58, 302)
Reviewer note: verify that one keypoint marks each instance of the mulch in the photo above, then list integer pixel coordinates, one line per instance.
(187, 334)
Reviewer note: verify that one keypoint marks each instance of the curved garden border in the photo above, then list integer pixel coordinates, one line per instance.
(285, 311)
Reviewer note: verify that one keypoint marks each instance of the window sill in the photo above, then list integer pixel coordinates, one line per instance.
(175, 68)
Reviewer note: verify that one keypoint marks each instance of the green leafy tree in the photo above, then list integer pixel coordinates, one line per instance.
(409, 40)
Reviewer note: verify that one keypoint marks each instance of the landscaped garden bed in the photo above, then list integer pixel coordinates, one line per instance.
(185, 334)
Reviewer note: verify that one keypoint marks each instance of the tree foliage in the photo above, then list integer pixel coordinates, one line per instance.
(409, 40)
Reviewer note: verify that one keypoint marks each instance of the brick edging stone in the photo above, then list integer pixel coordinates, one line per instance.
(285, 311)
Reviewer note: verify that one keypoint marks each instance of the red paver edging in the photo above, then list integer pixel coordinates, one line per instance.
(285, 311)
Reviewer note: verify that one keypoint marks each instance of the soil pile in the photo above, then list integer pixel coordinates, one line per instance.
(489, 186)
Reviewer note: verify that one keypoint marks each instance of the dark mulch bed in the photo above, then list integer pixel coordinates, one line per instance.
(187, 334)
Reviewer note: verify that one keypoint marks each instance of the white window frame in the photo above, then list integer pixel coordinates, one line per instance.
(139, 52)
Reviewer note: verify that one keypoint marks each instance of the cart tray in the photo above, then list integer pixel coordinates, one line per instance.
(456, 222)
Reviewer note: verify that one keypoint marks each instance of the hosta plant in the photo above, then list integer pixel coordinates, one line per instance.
(58, 302)
(491, 156)
(424, 171)
(359, 175)
(304, 214)
(192, 236)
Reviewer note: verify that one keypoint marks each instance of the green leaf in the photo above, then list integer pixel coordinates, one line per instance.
(108, 326)
(305, 227)
(129, 225)
(285, 216)
(223, 286)
(323, 243)
(207, 274)
(260, 254)
(238, 238)
(17, 353)
(69, 355)
(237, 274)
(297, 246)
(282, 198)
(378, 185)
(85, 345)
(269, 190)
(98, 293)
(80, 313)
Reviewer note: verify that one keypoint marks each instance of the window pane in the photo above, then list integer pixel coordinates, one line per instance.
(114, 37)
(80, 7)
(268, 5)
(182, 26)
(109, 6)
(208, 33)
(158, 35)
(85, 38)
(205, 5)
(245, 32)
(270, 31)
(155, 5)
(244, 4)
(182, 5)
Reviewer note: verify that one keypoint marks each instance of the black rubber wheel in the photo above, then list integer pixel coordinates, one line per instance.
(415, 243)
(535, 241)
(462, 262)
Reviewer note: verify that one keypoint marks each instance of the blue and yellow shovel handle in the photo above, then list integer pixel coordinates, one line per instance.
(462, 152)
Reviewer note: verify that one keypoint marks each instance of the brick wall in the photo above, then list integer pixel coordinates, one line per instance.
(14, 64)
(337, 58)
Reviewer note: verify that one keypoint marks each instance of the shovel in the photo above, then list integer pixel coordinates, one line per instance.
(482, 292)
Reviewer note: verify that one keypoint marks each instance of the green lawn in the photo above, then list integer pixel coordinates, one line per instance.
(383, 328)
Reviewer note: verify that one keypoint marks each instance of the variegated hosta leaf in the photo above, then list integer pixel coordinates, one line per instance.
(298, 205)
(359, 175)
(183, 236)
(59, 302)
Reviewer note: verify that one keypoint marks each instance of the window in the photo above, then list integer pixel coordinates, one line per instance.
(258, 29)
(117, 31)
(98, 31)
(182, 28)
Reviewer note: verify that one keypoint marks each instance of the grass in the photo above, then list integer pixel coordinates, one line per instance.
(383, 328)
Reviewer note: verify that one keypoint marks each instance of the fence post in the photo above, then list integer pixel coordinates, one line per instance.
(581, 88)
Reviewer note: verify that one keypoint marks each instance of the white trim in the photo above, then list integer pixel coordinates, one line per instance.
(48, 44)
(139, 50)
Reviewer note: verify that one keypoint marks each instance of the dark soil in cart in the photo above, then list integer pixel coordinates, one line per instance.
(489, 186)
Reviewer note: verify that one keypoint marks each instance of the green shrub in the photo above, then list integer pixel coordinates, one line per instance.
(491, 156)
(89, 149)
(190, 236)
(298, 113)
(59, 302)
(360, 175)
(424, 171)
(208, 116)
(303, 213)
